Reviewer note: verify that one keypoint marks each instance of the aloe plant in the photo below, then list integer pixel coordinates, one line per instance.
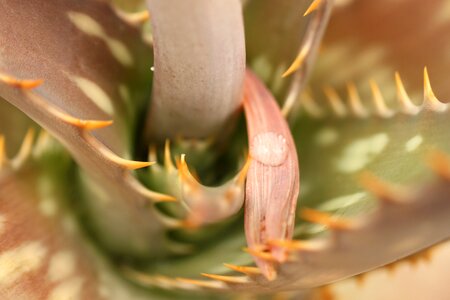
(204, 149)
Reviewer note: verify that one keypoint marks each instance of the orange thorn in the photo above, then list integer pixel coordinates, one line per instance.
(139, 17)
(243, 173)
(414, 259)
(168, 156)
(298, 61)
(355, 102)
(335, 101)
(42, 141)
(22, 84)
(314, 5)
(310, 106)
(134, 165)
(430, 99)
(325, 293)
(91, 124)
(185, 174)
(326, 219)
(189, 224)
(391, 267)
(25, 148)
(164, 198)
(156, 197)
(169, 222)
(82, 124)
(244, 269)
(380, 105)
(360, 279)
(201, 283)
(379, 188)
(261, 254)
(428, 91)
(427, 254)
(227, 279)
(405, 102)
(152, 153)
(439, 163)
(112, 157)
(294, 244)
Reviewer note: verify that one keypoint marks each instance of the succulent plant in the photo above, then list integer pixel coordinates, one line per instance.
(104, 105)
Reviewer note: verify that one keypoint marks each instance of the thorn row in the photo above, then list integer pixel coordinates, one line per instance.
(355, 107)
(302, 64)
(414, 259)
(307, 46)
(78, 137)
(203, 204)
(322, 250)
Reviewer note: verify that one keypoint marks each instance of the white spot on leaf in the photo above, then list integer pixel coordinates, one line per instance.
(91, 27)
(67, 290)
(124, 93)
(326, 137)
(69, 224)
(342, 201)
(86, 24)
(413, 143)
(96, 94)
(48, 207)
(360, 153)
(120, 51)
(19, 261)
(62, 265)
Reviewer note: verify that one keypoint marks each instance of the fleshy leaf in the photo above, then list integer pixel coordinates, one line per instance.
(38, 257)
(199, 66)
(92, 75)
(44, 252)
(409, 279)
(369, 217)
